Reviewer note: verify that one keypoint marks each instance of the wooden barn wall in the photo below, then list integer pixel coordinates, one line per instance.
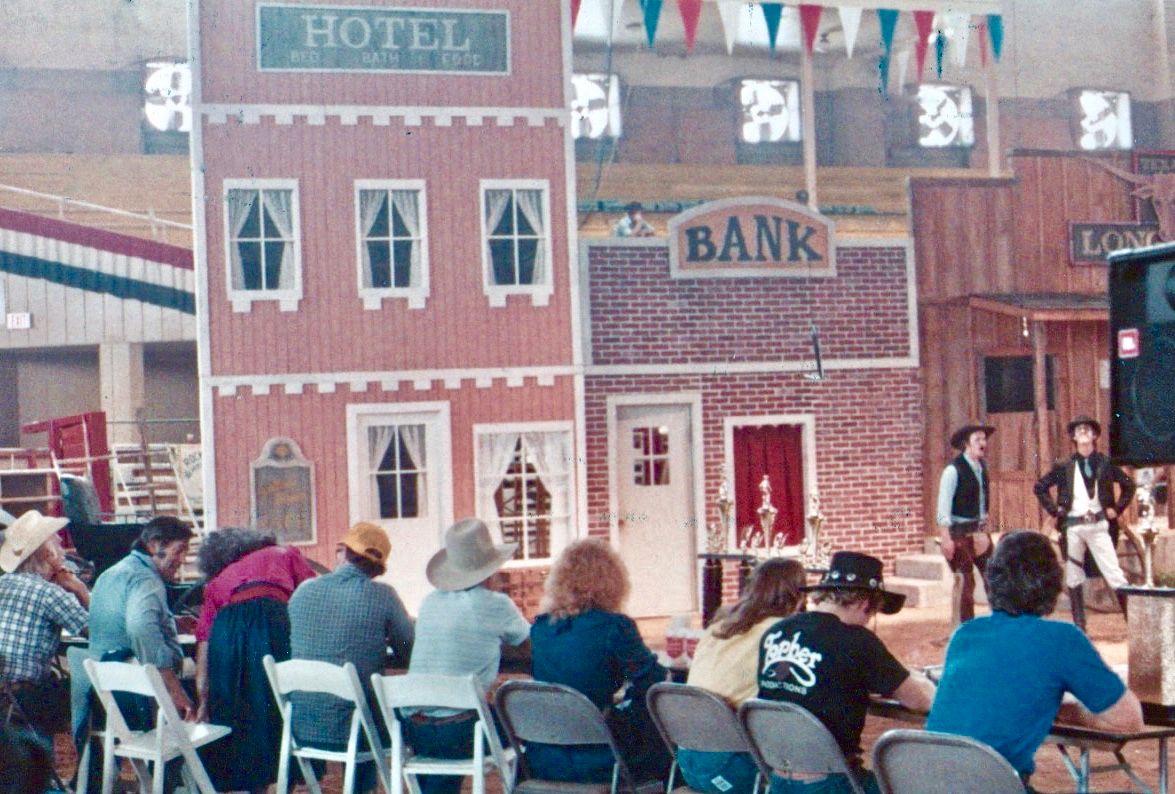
(228, 35)
(1005, 236)
(317, 422)
(457, 327)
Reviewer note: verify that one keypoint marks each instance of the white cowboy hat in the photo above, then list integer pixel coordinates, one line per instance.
(25, 536)
(469, 556)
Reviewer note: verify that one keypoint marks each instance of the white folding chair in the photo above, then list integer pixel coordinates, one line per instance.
(306, 676)
(417, 690)
(170, 738)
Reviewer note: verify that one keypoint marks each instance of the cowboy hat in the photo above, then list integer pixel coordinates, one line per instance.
(469, 557)
(368, 541)
(851, 570)
(960, 436)
(25, 536)
(1082, 419)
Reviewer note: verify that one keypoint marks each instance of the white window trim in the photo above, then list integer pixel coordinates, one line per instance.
(433, 415)
(373, 297)
(540, 294)
(242, 300)
(558, 542)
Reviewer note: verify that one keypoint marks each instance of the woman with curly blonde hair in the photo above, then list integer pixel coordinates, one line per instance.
(583, 641)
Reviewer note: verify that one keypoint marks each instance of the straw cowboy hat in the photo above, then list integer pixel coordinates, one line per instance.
(469, 557)
(851, 570)
(25, 536)
(960, 436)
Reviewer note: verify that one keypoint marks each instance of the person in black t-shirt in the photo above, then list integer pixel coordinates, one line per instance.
(827, 661)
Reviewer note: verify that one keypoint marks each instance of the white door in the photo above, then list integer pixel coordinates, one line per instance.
(399, 462)
(655, 495)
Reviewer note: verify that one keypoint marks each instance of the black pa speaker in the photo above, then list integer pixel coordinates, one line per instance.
(1142, 355)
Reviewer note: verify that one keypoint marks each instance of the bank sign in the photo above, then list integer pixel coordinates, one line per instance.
(751, 237)
(308, 38)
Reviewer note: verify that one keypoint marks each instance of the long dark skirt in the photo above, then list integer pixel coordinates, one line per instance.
(239, 695)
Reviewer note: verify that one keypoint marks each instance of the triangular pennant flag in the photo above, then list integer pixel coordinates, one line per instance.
(982, 27)
(903, 59)
(888, 18)
(574, 12)
(810, 22)
(771, 15)
(728, 11)
(850, 22)
(995, 27)
(690, 11)
(959, 24)
(652, 13)
(940, 47)
(924, 23)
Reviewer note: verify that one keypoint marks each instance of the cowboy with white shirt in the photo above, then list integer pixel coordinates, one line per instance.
(1086, 510)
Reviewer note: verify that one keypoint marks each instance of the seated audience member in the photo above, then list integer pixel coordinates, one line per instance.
(39, 597)
(633, 224)
(1005, 673)
(347, 616)
(726, 662)
(26, 763)
(583, 641)
(459, 631)
(244, 617)
(828, 662)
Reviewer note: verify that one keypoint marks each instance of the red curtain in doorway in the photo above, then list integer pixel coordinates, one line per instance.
(777, 451)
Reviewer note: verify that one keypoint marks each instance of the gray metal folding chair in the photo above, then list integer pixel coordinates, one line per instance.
(901, 759)
(533, 711)
(787, 740)
(695, 719)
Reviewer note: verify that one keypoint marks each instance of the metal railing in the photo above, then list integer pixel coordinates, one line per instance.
(63, 204)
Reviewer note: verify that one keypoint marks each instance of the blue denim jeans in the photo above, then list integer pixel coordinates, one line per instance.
(717, 773)
(833, 784)
(446, 740)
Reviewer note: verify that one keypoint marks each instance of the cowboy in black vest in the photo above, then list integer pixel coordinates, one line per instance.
(1087, 511)
(962, 514)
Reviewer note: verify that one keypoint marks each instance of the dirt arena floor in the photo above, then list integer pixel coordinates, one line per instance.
(918, 637)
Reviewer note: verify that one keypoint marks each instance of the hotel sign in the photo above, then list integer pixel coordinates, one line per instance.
(1091, 243)
(311, 38)
(751, 237)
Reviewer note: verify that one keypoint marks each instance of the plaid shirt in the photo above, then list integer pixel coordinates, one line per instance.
(32, 614)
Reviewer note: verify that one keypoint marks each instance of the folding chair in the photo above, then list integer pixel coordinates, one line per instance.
(306, 676)
(441, 691)
(532, 711)
(695, 719)
(787, 739)
(171, 738)
(901, 759)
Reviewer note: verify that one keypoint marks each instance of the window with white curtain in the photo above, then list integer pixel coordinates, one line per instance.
(264, 252)
(393, 241)
(524, 487)
(398, 470)
(517, 247)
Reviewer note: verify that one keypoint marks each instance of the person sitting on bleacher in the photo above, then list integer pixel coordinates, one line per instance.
(39, 597)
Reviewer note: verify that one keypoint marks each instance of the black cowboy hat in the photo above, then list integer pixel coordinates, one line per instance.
(851, 570)
(960, 436)
(633, 206)
(1082, 419)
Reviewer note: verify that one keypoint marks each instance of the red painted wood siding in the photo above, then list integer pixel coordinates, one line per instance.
(332, 332)
(228, 40)
(244, 422)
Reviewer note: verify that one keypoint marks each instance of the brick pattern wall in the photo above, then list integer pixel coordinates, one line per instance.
(639, 315)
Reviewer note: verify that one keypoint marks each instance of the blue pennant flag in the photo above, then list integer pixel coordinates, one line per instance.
(995, 29)
(888, 18)
(652, 12)
(772, 12)
(940, 46)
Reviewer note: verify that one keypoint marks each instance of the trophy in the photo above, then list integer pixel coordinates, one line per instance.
(815, 553)
(716, 535)
(1146, 512)
(767, 513)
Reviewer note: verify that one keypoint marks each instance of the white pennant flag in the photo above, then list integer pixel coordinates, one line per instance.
(729, 10)
(850, 22)
(959, 24)
(614, 11)
(903, 58)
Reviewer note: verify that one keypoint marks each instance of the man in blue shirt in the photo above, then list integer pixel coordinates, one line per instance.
(1005, 674)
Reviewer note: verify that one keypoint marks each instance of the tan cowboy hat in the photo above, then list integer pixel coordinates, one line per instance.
(25, 536)
(469, 557)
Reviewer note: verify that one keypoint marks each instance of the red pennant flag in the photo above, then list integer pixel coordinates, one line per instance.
(574, 12)
(810, 20)
(690, 11)
(924, 22)
(982, 27)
